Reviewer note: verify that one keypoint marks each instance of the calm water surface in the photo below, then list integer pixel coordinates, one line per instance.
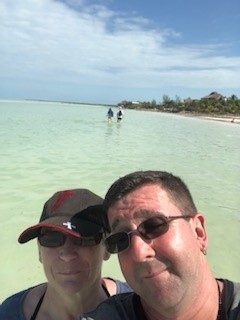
(47, 147)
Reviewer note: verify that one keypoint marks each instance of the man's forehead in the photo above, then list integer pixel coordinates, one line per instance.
(140, 203)
(144, 194)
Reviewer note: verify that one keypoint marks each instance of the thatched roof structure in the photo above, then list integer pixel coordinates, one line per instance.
(214, 96)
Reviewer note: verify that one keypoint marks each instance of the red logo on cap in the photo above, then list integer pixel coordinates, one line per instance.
(63, 196)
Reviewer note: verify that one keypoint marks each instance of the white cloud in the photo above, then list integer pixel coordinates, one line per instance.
(46, 39)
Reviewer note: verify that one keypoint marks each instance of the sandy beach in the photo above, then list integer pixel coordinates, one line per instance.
(233, 120)
(224, 118)
(213, 117)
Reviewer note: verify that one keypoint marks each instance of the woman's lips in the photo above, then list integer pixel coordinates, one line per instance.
(69, 273)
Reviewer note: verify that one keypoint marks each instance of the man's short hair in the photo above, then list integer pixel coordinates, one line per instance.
(176, 189)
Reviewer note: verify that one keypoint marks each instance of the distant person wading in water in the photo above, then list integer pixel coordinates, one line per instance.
(119, 114)
(110, 114)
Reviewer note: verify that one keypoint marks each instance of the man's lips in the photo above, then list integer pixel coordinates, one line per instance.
(153, 274)
(154, 270)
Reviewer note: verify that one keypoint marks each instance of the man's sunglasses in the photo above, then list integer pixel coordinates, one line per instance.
(148, 229)
(53, 239)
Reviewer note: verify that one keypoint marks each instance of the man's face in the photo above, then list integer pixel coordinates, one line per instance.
(165, 268)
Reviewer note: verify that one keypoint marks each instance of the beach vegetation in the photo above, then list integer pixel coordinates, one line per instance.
(213, 104)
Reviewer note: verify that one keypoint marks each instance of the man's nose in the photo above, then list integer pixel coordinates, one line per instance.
(141, 248)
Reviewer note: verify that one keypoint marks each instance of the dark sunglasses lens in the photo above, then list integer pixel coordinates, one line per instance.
(89, 241)
(55, 239)
(52, 239)
(153, 227)
(117, 242)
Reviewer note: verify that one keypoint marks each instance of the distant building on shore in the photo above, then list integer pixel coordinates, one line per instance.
(214, 96)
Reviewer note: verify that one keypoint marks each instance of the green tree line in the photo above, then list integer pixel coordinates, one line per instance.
(226, 106)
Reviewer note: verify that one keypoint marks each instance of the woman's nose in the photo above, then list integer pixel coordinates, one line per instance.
(68, 250)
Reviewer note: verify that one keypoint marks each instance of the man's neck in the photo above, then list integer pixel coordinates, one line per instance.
(206, 307)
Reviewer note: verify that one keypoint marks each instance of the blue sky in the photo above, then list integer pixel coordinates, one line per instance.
(106, 51)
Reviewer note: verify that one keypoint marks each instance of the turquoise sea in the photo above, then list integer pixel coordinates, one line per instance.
(47, 146)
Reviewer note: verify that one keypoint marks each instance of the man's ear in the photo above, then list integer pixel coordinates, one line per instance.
(200, 230)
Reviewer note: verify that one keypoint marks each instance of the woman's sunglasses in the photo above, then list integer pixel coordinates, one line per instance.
(148, 229)
(53, 239)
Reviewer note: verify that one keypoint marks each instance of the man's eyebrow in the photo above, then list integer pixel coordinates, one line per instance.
(143, 213)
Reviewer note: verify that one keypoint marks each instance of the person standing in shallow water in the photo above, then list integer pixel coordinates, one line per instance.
(110, 114)
(119, 114)
(71, 249)
(161, 242)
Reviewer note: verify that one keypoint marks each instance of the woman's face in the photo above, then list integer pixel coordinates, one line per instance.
(72, 267)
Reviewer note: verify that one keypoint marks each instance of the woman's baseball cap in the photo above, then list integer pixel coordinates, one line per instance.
(61, 207)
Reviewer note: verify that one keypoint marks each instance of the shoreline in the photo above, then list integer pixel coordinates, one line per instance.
(229, 119)
(235, 120)
(213, 117)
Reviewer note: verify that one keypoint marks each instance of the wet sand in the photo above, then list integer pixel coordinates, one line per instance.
(213, 117)
(224, 118)
(235, 120)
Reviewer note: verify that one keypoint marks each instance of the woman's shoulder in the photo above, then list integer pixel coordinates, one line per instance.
(12, 307)
(123, 287)
(15, 298)
(115, 286)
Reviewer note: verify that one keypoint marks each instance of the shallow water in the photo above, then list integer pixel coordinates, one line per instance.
(46, 147)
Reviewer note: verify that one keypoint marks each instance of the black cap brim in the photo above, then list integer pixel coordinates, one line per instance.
(90, 221)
